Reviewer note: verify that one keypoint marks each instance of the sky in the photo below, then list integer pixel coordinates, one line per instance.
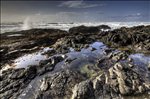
(76, 11)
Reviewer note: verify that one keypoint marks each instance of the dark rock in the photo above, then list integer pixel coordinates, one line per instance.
(104, 27)
(83, 90)
(83, 29)
(112, 76)
(28, 40)
(125, 82)
(148, 66)
(31, 72)
(18, 73)
(44, 86)
(49, 64)
(127, 37)
(60, 84)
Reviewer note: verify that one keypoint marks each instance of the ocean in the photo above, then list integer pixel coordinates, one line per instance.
(12, 27)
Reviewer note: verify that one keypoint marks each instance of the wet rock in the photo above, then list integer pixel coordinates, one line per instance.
(90, 29)
(69, 60)
(60, 84)
(132, 39)
(83, 29)
(83, 90)
(28, 40)
(126, 84)
(49, 64)
(17, 74)
(31, 72)
(148, 66)
(141, 89)
(108, 51)
(113, 76)
(118, 56)
(104, 27)
(15, 80)
(44, 86)
(130, 59)
(49, 52)
(119, 79)
(78, 42)
(44, 62)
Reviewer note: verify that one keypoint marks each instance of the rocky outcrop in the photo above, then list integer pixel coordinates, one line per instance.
(14, 81)
(111, 75)
(83, 29)
(29, 41)
(90, 29)
(119, 81)
(83, 90)
(135, 38)
(58, 85)
(125, 80)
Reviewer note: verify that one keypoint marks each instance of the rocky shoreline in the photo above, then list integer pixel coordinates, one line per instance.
(82, 63)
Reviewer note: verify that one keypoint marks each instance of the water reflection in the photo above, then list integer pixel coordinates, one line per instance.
(140, 58)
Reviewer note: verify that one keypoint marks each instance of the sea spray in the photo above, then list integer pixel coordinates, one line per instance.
(26, 24)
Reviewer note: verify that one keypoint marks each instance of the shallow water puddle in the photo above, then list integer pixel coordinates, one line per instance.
(27, 60)
(98, 45)
(140, 58)
(77, 58)
(85, 56)
(31, 59)
(142, 61)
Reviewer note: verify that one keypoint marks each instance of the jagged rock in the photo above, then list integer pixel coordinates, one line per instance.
(27, 40)
(60, 84)
(83, 29)
(83, 90)
(44, 86)
(114, 75)
(118, 56)
(148, 66)
(104, 27)
(18, 73)
(49, 64)
(137, 37)
(126, 84)
(31, 72)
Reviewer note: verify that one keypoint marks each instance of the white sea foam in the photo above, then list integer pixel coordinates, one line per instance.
(26, 24)
(64, 26)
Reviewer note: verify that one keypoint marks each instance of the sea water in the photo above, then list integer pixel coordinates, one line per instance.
(26, 24)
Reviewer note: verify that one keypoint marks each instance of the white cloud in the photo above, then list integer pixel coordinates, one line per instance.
(78, 4)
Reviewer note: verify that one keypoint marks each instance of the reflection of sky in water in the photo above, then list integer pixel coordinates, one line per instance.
(31, 59)
(140, 58)
(98, 45)
(84, 56)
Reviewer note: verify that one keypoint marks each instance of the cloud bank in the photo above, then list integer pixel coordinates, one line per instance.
(78, 4)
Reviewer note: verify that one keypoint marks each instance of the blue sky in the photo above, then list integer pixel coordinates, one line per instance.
(76, 11)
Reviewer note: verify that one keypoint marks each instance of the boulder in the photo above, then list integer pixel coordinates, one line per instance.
(83, 90)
